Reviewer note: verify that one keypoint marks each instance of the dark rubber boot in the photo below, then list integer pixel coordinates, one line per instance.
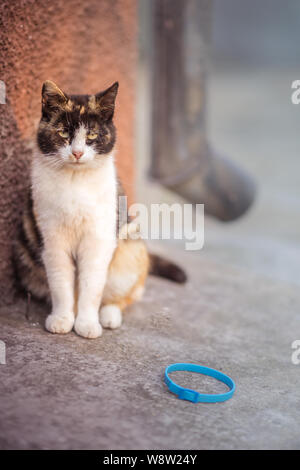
(226, 191)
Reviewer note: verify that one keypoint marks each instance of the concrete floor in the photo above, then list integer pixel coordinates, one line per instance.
(239, 313)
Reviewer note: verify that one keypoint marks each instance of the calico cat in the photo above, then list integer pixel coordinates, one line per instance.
(68, 250)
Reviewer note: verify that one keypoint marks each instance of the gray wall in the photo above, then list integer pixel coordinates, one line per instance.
(257, 31)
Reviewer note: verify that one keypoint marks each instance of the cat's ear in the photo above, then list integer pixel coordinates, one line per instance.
(105, 101)
(52, 97)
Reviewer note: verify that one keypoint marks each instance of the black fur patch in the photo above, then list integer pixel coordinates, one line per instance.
(62, 112)
(165, 268)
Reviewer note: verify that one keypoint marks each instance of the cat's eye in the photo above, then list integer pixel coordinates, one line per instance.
(92, 135)
(64, 134)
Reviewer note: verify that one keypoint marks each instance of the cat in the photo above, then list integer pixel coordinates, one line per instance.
(69, 251)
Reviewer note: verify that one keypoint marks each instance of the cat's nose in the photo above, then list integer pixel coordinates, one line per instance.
(77, 154)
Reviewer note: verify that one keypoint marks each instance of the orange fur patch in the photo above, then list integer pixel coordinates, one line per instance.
(130, 258)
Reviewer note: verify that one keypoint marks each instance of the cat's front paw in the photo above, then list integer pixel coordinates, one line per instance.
(59, 323)
(110, 316)
(87, 329)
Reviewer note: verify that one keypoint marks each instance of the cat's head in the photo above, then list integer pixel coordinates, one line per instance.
(76, 130)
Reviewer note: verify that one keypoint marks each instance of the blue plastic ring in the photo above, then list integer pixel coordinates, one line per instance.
(192, 395)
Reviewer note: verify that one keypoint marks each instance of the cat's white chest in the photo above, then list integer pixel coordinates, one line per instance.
(71, 200)
(76, 200)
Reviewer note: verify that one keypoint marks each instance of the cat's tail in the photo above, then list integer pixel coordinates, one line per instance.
(164, 268)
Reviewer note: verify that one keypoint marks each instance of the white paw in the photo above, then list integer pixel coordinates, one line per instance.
(59, 323)
(88, 329)
(110, 316)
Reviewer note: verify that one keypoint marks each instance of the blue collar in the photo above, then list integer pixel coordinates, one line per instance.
(192, 395)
